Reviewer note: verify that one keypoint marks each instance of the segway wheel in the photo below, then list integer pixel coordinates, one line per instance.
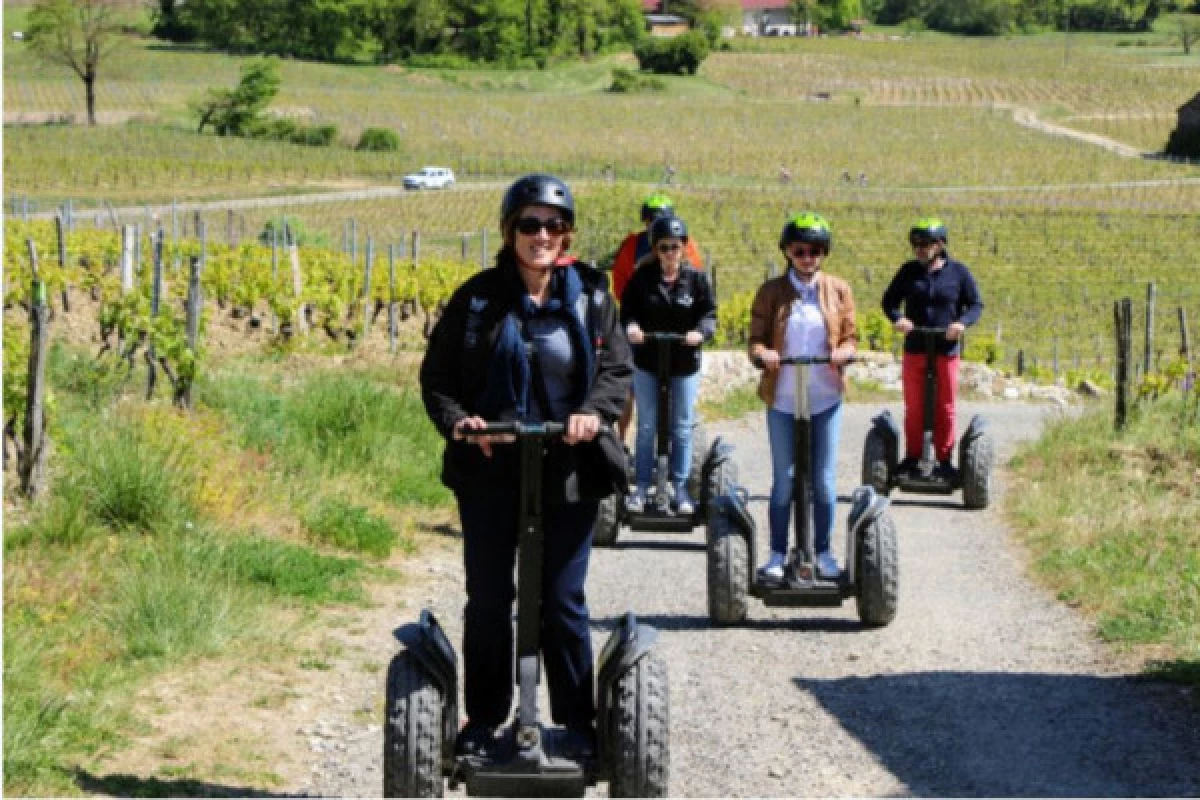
(412, 731)
(878, 572)
(608, 522)
(728, 570)
(641, 731)
(875, 463)
(975, 461)
(696, 468)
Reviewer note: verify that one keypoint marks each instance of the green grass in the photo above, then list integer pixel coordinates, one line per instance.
(352, 527)
(130, 565)
(336, 424)
(1113, 526)
(732, 404)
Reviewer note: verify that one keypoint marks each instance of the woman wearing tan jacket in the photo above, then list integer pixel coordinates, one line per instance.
(806, 312)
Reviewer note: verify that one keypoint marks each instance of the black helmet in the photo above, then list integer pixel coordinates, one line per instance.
(667, 227)
(928, 228)
(809, 228)
(537, 190)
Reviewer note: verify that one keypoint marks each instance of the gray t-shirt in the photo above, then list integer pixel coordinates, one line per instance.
(549, 334)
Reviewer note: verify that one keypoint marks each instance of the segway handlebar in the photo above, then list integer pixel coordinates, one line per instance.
(803, 361)
(519, 429)
(934, 331)
(663, 336)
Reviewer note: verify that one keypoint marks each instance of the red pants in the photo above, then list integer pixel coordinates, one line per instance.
(913, 375)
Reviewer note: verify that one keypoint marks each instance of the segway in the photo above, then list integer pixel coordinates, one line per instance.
(871, 575)
(711, 473)
(880, 466)
(421, 715)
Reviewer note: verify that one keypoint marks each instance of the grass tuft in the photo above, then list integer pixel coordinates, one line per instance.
(352, 527)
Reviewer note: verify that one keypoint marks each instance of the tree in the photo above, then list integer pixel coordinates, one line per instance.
(77, 34)
(1189, 34)
(234, 112)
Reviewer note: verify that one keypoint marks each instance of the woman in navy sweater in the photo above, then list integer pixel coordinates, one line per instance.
(931, 291)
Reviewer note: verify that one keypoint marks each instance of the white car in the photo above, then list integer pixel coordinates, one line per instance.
(430, 178)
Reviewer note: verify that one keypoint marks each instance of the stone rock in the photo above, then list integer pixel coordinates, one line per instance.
(1012, 393)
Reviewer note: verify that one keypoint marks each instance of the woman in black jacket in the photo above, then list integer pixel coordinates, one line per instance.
(531, 339)
(667, 295)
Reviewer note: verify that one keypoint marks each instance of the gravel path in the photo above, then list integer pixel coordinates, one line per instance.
(983, 685)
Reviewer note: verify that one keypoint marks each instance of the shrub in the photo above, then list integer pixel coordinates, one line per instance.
(315, 135)
(681, 55)
(378, 140)
(273, 129)
(1184, 143)
(627, 80)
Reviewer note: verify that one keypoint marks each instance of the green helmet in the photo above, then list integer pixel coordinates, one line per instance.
(656, 205)
(928, 228)
(808, 227)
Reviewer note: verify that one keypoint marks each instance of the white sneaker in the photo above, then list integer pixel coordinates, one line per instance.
(827, 565)
(773, 569)
(683, 503)
(635, 501)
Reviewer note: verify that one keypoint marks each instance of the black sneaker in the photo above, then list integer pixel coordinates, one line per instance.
(476, 740)
(907, 466)
(947, 472)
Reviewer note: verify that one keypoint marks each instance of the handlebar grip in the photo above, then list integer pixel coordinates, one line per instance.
(519, 429)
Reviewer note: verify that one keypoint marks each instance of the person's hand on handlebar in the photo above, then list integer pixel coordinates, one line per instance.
(955, 330)
(634, 332)
(841, 356)
(769, 359)
(581, 428)
(693, 338)
(903, 325)
(462, 430)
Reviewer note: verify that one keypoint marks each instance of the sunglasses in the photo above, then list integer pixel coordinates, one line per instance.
(923, 242)
(670, 248)
(807, 252)
(555, 226)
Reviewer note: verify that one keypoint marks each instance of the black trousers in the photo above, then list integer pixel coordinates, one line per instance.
(489, 524)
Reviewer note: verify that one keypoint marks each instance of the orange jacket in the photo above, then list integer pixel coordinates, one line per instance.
(630, 253)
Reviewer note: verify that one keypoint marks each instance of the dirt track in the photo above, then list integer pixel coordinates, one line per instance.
(983, 685)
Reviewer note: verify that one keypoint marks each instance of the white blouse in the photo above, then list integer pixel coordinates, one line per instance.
(806, 336)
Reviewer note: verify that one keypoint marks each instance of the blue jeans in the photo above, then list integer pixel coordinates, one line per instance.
(823, 469)
(682, 419)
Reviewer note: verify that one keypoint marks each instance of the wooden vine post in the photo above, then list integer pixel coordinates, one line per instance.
(301, 321)
(61, 227)
(31, 459)
(370, 259)
(195, 302)
(1151, 292)
(392, 298)
(1123, 318)
(155, 304)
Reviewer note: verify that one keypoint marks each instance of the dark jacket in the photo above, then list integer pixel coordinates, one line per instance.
(933, 300)
(689, 305)
(456, 364)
